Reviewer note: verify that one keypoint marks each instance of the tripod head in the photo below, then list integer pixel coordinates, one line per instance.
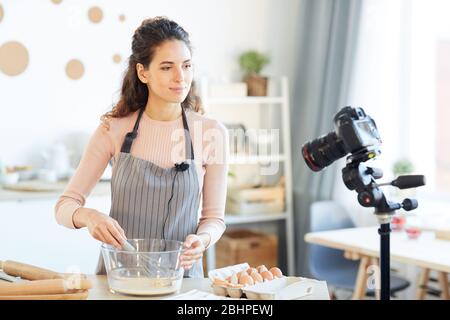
(362, 179)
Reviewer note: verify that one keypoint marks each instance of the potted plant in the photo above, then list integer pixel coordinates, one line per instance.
(252, 62)
(403, 166)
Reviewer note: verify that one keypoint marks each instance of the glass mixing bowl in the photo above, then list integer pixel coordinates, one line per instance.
(153, 268)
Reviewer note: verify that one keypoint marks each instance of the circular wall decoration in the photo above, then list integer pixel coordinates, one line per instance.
(122, 18)
(56, 1)
(14, 58)
(117, 58)
(1, 13)
(95, 14)
(74, 69)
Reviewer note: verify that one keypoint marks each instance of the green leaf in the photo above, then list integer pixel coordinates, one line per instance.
(253, 61)
(403, 166)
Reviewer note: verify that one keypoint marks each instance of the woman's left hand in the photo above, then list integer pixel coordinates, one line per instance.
(194, 251)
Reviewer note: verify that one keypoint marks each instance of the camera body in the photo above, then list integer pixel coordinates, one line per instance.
(356, 129)
(355, 133)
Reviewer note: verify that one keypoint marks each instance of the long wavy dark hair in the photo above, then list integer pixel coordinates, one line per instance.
(134, 94)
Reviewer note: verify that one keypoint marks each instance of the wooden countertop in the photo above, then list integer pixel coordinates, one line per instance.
(100, 290)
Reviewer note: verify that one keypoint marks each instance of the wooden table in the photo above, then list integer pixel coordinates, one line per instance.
(100, 290)
(363, 244)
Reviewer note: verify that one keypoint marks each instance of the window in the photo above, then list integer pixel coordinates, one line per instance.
(401, 78)
(443, 115)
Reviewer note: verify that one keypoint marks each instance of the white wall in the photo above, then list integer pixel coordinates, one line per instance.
(43, 105)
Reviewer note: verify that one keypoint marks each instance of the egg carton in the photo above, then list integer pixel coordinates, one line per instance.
(284, 288)
(198, 295)
(223, 273)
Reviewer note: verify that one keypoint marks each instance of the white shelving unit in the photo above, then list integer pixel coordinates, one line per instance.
(282, 101)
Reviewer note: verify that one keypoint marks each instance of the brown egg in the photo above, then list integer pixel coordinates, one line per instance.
(246, 280)
(261, 268)
(257, 277)
(267, 276)
(234, 279)
(251, 270)
(276, 272)
(254, 271)
(220, 282)
(236, 286)
(240, 274)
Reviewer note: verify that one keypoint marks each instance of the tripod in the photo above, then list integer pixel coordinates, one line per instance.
(360, 178)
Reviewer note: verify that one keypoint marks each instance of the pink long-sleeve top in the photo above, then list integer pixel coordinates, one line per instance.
(161, 142)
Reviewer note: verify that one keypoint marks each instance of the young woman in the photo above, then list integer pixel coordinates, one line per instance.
(165, 155)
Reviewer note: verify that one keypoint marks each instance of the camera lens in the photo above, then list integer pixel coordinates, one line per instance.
(323, 151)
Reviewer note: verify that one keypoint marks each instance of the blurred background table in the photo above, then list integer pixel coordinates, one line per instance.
(426, 252)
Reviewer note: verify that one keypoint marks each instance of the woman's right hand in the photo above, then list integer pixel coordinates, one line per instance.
(101, 227)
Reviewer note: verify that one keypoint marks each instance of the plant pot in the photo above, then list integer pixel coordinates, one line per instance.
(256, 85)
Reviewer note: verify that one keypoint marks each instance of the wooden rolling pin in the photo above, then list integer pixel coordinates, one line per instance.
(44, 287)
(79, 295)
(30, 272)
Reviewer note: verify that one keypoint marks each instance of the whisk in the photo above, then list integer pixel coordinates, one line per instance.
(148, 262)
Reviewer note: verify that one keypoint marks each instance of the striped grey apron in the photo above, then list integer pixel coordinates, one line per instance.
(153, 202)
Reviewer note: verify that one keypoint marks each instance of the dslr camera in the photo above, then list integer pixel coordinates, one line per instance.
(355, 133)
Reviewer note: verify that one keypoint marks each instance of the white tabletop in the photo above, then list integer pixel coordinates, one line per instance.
(100, 290)
(426, 251)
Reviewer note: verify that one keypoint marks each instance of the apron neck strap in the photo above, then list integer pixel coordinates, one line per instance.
(188, 142)
(130, 136)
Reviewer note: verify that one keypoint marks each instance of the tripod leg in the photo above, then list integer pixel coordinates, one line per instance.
(385, 261)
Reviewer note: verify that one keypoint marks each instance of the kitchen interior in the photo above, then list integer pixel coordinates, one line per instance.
(275, 73)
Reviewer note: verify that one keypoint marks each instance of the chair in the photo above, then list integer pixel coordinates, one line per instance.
(330, 264)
